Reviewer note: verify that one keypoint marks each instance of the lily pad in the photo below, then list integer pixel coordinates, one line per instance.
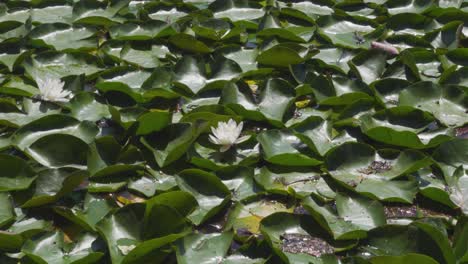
(283, 148)
(271, 102)
(446, 103)
(402, 126)
(50, 248)
(63, 37)
(350, 219)
(353, 162)
(353, 146)
(211, 194)
(18, 174)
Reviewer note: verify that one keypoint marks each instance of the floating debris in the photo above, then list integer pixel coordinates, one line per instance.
(461, 132)
(376, 167)
(104, 123)
(305, 244)
(359, 38)
(401, 211)
(297, 114)
(300, 210)
(383, 46)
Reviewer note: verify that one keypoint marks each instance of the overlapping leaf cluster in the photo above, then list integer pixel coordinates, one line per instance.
(357, 112)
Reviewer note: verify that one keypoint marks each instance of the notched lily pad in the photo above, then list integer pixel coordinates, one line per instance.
(269, 102)
(298, 237)
(289, 182)
(447, 103)
(17, 174)
(283, 148)
(403, 126)
(350, 218)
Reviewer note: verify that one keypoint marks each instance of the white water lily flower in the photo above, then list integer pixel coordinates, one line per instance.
(51, 89)
(227, 134)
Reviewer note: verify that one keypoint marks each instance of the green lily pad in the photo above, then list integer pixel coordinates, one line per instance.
(368, 66)
(192, 77)
(51, 185)
(294, 238)
(236, 10)
(239, 180)
(283, 148)
(279, 56)
(50, 248)
(354, 162)
(94, 209)
(59, 150)
(6, 210)
(337, 91)
(11, 58)
(354, 115)
(403, 259)
(415, 239)
(247, 217)
(460, 239)
(458, 185)
(61, 65)
(288, 182)
(154, 250)
(180, 136)
(53, 124)
(31, 110)
(401, 126)
(319, 135)
(271, 103)
(168, 211)
(133, 31)
(146, 58)
(189, 43)
(209, 191)
(446, 103)
(122, 229)
(98, 13)
(167, 15)
(194, 247)
(84, 106)
(63, 37)
(205, 154)
(156, 181)
(17, 86)
(352, 217)
(18, 175)
(14, 237)
(451, 155)
(52, 14)
(245, 58)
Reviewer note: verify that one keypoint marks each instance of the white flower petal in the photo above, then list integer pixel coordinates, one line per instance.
(232, 123)
(239, 127)
(213, 140)
(51, 89)
(60, 100)
(226, 134)
(224, 148)
(242, 139)
(214, 131)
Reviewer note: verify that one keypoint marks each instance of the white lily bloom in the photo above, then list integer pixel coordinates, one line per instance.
(51, 89)
(227, 134)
